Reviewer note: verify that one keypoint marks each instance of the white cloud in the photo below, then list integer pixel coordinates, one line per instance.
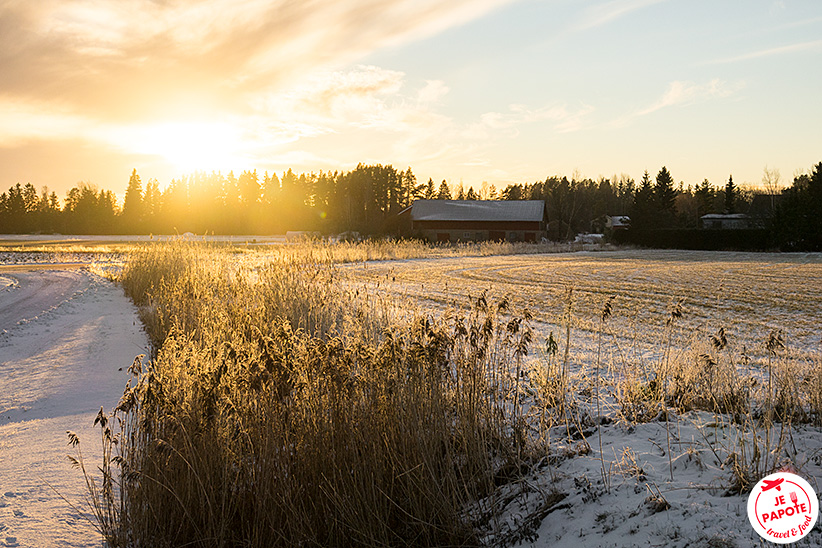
(562, 118)
(777, 6)
(123, 59)
(24, 120)
(680, 94)
(364, 97)
(813, 45)
(604, 13)
(433, 91)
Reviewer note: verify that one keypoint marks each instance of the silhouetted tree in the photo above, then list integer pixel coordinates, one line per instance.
(642, 211)
(444, 192)
(512, 192)
(430, 192)
(133, 204)
(730, 196)
(664, 200)
(705, 196)
(797, 223)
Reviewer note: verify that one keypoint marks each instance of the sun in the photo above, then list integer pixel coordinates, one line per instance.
(193, 145)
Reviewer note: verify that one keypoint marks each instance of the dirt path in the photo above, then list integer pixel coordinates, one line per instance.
(67, 339)
(26, 292)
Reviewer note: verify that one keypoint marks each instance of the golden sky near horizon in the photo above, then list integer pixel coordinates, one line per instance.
(494, 90)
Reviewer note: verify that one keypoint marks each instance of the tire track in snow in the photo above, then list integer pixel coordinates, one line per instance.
(69, 337)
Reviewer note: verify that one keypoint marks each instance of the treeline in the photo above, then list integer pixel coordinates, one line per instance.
(797, 223)
(363, 200)
(85, 210)
(576, 206)
(368, 199)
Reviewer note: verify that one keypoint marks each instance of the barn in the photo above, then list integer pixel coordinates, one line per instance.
(726, 221)
(478, 220)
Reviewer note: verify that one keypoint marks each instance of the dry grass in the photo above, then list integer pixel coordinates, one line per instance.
(282, 409)
(288, 404)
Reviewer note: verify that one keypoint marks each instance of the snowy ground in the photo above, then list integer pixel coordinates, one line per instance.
(630, 494)
(66, 340)
(568, 502)
(65, 335)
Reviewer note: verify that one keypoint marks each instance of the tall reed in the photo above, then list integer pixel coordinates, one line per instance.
(283, 409)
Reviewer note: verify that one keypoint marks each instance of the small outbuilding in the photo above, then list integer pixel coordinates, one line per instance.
(479, 220)
(617, 222)
(726, 221)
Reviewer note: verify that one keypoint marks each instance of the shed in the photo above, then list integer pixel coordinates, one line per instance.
(726, 221)
(478, 220)
(618, 222)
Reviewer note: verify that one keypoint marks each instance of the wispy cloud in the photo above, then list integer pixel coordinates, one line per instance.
(604, 13)
(562, 118)
(363, 97)
(681, 94)
(400, 121)
(133, 59)
(813, 45)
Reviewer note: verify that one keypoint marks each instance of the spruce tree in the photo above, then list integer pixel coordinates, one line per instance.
(664, 192)
(445, 192)
(430, 193)
(642, 209)
(133, 204)
(730, 196)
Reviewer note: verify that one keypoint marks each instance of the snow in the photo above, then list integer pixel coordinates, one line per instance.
(65, 335)
(66, 340)
(566, 500)
(635, 503)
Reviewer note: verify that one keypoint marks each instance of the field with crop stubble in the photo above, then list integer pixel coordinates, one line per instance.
(569, 399)
(747, 294)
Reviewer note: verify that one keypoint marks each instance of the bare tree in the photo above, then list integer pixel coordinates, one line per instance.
(770, 180)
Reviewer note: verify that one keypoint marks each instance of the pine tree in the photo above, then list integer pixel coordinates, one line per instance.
(796, 226)
(730, 195)
(30, 199)
(133, 203)
(664, 193)
(430, 193)
(444, 192)
(642, 214)
(249, 188)
(410, 189)
(704, 195)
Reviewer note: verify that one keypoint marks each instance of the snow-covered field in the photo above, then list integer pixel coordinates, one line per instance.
(67, 337)
(627, 498)
(66, 340)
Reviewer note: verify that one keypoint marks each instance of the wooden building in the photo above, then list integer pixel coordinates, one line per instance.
(478, 220)
(726, 221)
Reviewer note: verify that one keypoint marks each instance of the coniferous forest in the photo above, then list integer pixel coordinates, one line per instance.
(369, 198)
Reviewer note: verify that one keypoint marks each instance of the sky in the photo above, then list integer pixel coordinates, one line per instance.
(471, 91)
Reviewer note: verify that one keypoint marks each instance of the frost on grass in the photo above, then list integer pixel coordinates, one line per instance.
(499, 403)
(67, 336)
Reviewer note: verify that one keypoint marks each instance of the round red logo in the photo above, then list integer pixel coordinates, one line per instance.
(783, 508)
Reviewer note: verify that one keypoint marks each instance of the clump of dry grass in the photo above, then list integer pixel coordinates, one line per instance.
(283, 409)
(316, 250)
(285, 405)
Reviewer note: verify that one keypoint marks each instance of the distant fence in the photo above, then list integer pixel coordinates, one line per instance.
(711, 240)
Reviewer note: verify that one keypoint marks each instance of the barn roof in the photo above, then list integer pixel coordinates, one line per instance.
(725, 216)
(478, 210)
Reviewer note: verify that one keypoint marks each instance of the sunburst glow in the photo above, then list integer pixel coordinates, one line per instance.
(192, 146)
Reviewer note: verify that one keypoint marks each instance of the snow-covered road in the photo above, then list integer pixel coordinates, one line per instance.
(67, 338)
